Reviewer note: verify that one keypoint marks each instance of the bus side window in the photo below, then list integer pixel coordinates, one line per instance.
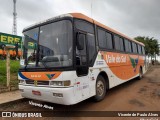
(117, 42)
(121, 41)
(81, 49)
(143, 51)
(127, 47)
(102, 39)
(139, 49)
(84, 26)
(91, 48)
(130, 46)
(109, 41)
(134, 47)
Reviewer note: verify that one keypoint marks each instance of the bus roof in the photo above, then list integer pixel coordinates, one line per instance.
(84, 17)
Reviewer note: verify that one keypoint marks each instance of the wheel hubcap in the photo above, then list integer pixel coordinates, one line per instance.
(100, 88)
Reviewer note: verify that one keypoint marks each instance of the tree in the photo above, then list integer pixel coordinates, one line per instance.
(151, 45)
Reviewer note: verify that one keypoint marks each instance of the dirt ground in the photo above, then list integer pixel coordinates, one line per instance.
(135, 95)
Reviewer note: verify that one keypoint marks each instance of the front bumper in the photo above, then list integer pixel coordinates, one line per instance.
(47, 94)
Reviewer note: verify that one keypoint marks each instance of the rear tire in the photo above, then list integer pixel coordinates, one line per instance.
(100, 89)
(140, 74)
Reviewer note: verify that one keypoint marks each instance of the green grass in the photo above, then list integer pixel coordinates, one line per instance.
(14, 65)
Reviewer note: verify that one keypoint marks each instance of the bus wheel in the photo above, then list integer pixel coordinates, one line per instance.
(100, 89)
(140, 74)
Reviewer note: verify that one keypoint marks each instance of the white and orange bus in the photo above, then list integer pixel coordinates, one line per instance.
(74, 57)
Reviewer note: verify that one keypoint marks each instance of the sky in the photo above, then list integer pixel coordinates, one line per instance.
(130, 17)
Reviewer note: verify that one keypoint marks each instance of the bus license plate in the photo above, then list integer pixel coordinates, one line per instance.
(38, 93)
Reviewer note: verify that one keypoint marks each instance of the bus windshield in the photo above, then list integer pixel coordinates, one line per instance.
(49, 45)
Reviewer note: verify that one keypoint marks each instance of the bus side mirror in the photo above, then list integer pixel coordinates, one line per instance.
(80, 41)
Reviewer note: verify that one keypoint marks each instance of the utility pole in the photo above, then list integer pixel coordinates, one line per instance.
(7, 48)
(14, 29)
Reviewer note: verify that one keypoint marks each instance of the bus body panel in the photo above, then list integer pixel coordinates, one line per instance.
(83, 87)
(47, 94)
(119, 67)
(79, 89)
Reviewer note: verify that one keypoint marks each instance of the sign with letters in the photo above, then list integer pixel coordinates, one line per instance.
(10, 39)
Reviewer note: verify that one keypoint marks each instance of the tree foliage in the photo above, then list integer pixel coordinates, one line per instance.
(151, 45)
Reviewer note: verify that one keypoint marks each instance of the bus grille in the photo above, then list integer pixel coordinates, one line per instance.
(31, 82)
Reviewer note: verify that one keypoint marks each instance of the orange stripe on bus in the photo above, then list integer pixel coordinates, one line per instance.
(41, 75)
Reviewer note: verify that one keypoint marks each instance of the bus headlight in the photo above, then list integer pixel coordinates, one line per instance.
(22, 82)
(60, 83)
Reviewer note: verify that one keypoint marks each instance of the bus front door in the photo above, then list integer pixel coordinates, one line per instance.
(82, 88)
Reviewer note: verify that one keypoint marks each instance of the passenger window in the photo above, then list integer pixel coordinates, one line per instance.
(81, 54)
(91, 47)
(102, 39)
(143, 51)
(105, 39)
(130, 47)
(117, 42)
(139, 49)
(109, 40)
(134, 47)
(84, 26)
(121, 43)
(126, 45)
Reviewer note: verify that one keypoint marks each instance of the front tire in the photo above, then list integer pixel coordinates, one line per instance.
(100, 89)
